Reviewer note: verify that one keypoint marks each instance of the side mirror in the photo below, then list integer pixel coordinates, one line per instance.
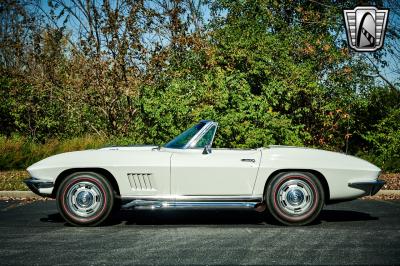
(207, 149)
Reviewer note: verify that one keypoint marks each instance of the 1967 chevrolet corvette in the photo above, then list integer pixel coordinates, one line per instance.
(292, 183)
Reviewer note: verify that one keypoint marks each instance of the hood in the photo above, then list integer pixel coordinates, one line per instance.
(92, 158)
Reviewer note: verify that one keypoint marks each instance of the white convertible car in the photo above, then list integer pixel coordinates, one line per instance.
(292, 183)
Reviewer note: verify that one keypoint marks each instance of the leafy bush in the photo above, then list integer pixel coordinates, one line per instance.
(270, 72)
(384, 138)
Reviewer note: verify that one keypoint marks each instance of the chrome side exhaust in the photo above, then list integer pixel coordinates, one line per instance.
(152, 204)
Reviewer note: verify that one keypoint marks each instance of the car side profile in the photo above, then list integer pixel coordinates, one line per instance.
(292, 183)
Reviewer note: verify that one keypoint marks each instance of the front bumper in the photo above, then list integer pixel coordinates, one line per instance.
(370, 187)
(38, 186)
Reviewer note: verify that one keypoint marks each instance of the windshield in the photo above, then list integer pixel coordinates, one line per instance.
(180, 141)
(207, 138)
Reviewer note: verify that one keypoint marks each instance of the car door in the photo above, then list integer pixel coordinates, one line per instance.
(219, 173)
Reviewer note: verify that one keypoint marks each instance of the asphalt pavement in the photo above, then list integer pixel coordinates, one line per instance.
(357, 232)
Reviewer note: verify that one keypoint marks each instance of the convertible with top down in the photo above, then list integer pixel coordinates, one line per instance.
(292, 183)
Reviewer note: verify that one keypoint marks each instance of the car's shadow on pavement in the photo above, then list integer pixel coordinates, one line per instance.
(345, 216)
(211, 217)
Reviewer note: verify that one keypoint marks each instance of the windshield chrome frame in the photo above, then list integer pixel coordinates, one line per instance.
(193, 141)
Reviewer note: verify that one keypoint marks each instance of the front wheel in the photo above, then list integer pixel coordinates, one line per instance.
(85, 199)
(295, 198)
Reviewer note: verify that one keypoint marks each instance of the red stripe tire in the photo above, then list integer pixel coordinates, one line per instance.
(295, 198)
(85, 199)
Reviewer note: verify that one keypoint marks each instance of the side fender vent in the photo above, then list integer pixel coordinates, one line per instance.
(140, 181)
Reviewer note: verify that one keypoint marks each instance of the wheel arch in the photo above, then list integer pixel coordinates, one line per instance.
(318, 174)
(105, 173)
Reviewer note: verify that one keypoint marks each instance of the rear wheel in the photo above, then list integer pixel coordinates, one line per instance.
(295, 198)
(85, 198)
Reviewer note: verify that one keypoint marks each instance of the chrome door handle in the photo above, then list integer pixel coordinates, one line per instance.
(248, 160)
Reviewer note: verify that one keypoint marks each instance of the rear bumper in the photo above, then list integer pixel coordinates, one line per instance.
(39, 187)
(370, 187)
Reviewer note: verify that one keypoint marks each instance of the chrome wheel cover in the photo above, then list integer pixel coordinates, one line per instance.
(84, 199)
(295, 197)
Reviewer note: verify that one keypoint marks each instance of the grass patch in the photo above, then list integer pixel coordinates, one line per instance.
(19, 153)
(12, 180)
